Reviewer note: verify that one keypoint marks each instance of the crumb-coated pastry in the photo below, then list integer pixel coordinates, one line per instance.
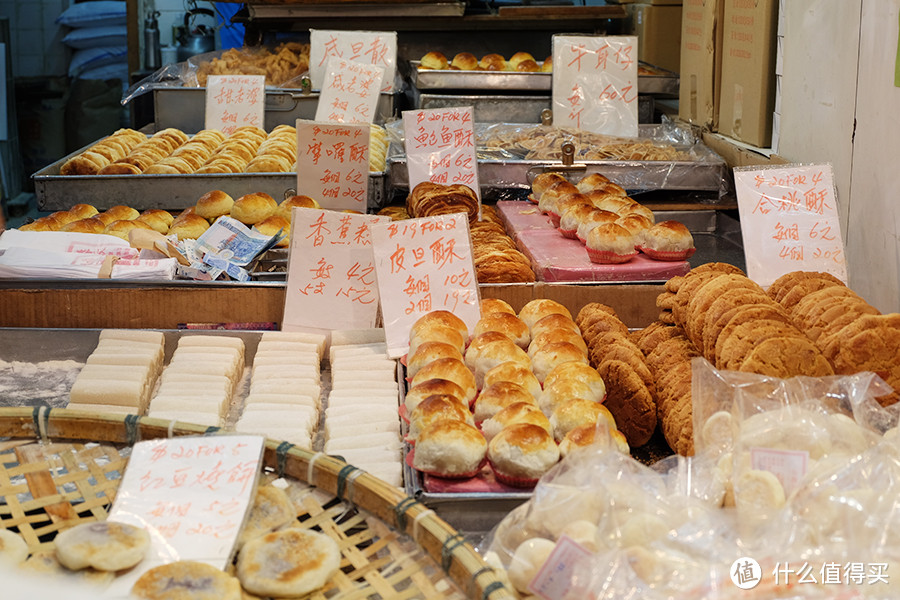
(516, 373)
(542, 181)
(429, 352)
(547, 65)
(521, 453)
(553, 354)
(464, 61)
(577, 371)
(537, 309)
(287, 205)
(518, 58)
(492, 62)
(518, 412)
(419, 392)
(591, 182)
(274, 224)
(498, 396)
(552, 336)
(569, 415)
(667, 240)
(495, 305)
(449, 368)
(588, 435)
(563, 390)
(595, 218)
(450, 449)
(252, 208)
(557, 320)
(186, 579)
(509, 325)
(89, 225)
(610, 244)
(189, 226)
(528, 66)
(435, 409)
(434, 60)
(437, 332)
(214, 204)
(553, 193)
(121, 229)
(439, 317)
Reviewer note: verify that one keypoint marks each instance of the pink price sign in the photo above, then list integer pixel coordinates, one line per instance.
(440, 147)
(234, 101)
(333, 164)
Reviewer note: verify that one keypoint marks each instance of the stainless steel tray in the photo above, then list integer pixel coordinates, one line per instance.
(172, 192)
(185, 107)
(494, 108)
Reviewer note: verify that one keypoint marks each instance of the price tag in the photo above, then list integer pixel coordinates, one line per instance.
(595, 84)
(333, 164)
(350, 92)
(789, 221)
(424, 265)
(440, 147)
(369, 47)
(331, 271)
(234, 101)
(556, 578)
(191, 494)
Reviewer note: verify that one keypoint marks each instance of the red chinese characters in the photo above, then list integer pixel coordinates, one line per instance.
(234, 101)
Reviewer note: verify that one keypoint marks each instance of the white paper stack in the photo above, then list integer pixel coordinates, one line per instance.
(362, 419)
(283, 402)
(199, 383)
(120, 373)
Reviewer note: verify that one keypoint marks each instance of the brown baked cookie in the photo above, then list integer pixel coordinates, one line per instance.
(665, 301)
(674, 283)
(834, 316)
(587, 314)
(692, 282)
(803, 288)
(648, 338)
(612, 346)
(811, 304)
(678, 426)
(748, 335)
(718, 266)
(705, 295)
(835, 343)
(672, 385)
(783, 284)
(629, 401)
(742, 315)
(786, 357)
(668, 352)
(875, 349)
(721, 310)
(601, 323)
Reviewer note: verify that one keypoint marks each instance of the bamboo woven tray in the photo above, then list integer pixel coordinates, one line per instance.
(59, 468)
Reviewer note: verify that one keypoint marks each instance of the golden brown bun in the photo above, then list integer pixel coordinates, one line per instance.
(492, 62)
(188, 226)
(437, 332)
(573, 216)
(121, 228)
(562, 391)
(518, 58)
(452, 448)
(451, 369)
(577, 371)
(509, 325)
(89, 225)
(439, 317)
(252, 208)
(543, 181)
(498, 396)
(214, 204)
(537, 309)
(494, 305)
(83, 211)
(518, 412)
(434, 60)
(591, 182)
(437, 408)
(118, 213)
(284, 209)
(272, 225)
(516, 373)
(668, 236)
(554, 321)
(595, 218)
(636, 224)
(554, 354)
(528, 66)
(547, 65)
(484, 358)
(47, 223)
(63, 217)
(548, 199)
(465, 61)
(159, 213)
(428, 352)
(159, 220)
(552, 336)
(419, 392)
(584, 436)
(574, 413)
(611, 237)
(523, 451)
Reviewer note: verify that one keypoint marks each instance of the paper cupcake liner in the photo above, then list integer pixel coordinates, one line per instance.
(607, 257)
(516, 482)
(568, 233)
(554, 218)
(411, 455)
(668, 256)
(532, 199)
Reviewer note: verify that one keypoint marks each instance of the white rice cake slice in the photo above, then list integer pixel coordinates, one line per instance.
(208, 419)
(154, 354)
(121, 358)
(121, 392)
(282, 346)
(296, 336)
(211, 340)
(103, 408)
(221, 387)
(342, 428)
(285, 371)
(340, 376)
(123, 372)
(205, 367)
(263, 423)
(285, 358)
(368, 351)
(290, 399)
(223, 353)
(300, 438)
(355, 337)
(184, 376)
(366, 413)
(309, 387)
(365, 401)
(364, 363)
(374, 441)
(267, 408)
(363, 457)
(389, 472)
(214, 404)
(134, 335)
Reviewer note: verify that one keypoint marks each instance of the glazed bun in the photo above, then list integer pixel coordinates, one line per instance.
(553, 336)
(118, 213)
(492, 62)
(486, 357)
(429, 352)
(535, 310)
(450, 449)
(436, 332)
(434, 60)
(518, 58)
(516, 373)
(83, 211)
(430, 387)
(522, 452)
(495, 305)
(508, 324)
(214, 204)
(528, 66)
(577, 371)
(437, 408)
(543, 181)
(563, 390)
(667, 240)
(188, 226)
(610, 244)
(464, 61)
(498, 396)
(518, 412)
(639, 209)
(451, 369)
(250, 209)
(89, 225)
(439, 317)
(121, 229)
(553, 354)
(285, 208)
(274, 224)
(591, 182)
(585, 436)
(554, 321)
(595, 218)
(576, 412)
(550, 196)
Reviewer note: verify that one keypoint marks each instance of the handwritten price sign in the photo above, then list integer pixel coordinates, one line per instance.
(440, 147)
(424, 265)
(349, 93)
(789, 221)
(331, 271)
(333, 164)
(369, 47)
(234, 101)
(595, 84)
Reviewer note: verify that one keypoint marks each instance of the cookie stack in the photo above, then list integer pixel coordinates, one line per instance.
(496, 258)
(630, 387)
(428, 199)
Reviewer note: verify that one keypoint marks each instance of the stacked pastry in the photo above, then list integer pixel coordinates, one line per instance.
(361, 423)
(200, 381)
(378, 147)
(110, 149)
(277, 153)
(160, 145)
(235, 153)
(496, 258)
(117, 220)
(285, 387)
(428, 199)
(120, 373)
(522, 62)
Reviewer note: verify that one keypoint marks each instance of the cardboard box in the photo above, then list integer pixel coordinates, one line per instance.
(701, 62)
(653, 2)
(659, 33)
(747, 99)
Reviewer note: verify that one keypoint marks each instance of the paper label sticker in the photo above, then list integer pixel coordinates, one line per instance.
(234, 101)
(369, 47)
(331, 272)
(595, 84)
(424, 265)
(789, 466)
(349, 92)
(789, 221)
(333, 164)
(440, 147)
(555, 578)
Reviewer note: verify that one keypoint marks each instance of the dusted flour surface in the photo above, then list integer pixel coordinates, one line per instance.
(35, 384)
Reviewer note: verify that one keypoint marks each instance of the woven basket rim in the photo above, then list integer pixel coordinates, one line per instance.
(441, 542)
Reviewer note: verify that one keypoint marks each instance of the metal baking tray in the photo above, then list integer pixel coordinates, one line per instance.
(185, 107)
(495, 108)
(654, 80)
(171, 192)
